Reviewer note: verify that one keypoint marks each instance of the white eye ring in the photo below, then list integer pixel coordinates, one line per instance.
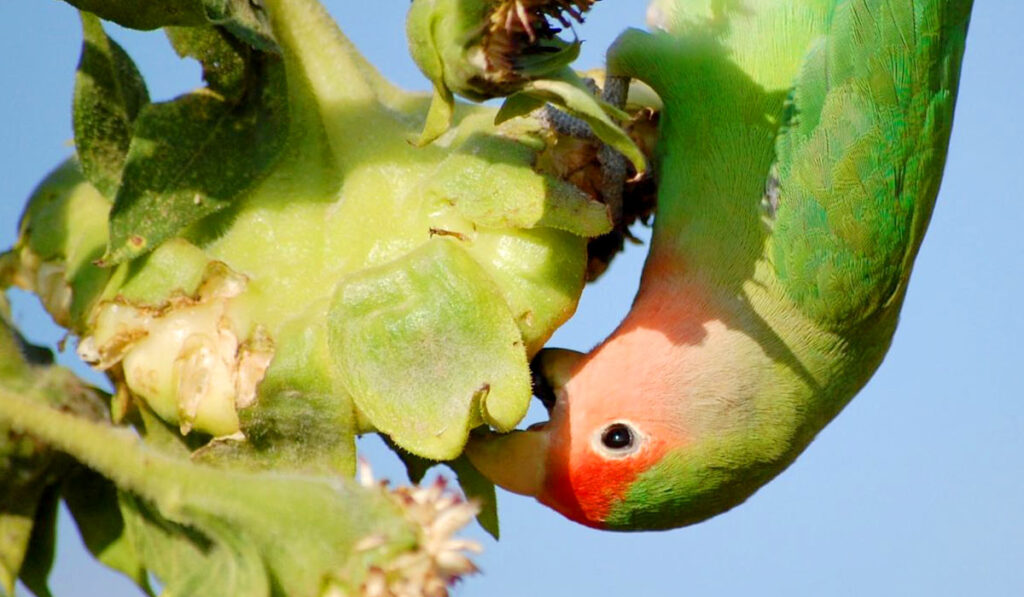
(617, 439)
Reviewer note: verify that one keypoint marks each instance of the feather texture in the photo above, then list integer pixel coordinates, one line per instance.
(861, 154)
(801, 148)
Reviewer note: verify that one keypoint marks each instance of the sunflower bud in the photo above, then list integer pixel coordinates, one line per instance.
(481, 49)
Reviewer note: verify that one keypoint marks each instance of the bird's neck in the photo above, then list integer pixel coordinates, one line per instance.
(723, 357)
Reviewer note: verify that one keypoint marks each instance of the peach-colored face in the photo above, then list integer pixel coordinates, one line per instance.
(607, 426)
(647, 390)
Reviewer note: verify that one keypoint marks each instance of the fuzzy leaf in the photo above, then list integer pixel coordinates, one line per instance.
(217, 531)
(109, 92)
(246, 19)
(537, 272)
(478, 488)
(439, 117)
(28, 470)
(428, 349)
(568, 92)
(491, 183)
(66, 222)
(189, 562)
(24, 482)
(21, 492)
(517, 104)
(222, 57)
(193, 156)
(416, 467)
(42, 545)
(15, 528)
(93, 503)
(145, 15)
(447, 40)
(550, 57)
(172, 552)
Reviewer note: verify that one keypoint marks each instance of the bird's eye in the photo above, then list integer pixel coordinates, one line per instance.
(617, 439)
(617, 436)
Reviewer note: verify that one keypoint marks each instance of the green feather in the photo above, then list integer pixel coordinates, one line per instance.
(862, 152)
(802, 146)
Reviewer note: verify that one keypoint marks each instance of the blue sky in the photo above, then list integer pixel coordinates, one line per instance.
(917, 488)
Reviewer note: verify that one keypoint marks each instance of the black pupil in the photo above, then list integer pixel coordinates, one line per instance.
(617, 437)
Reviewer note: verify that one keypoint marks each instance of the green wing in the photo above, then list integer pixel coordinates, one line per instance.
(861, 153)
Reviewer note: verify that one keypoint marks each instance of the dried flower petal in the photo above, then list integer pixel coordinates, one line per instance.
(440, 559)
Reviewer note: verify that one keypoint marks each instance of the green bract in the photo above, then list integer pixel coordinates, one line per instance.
(275, 234)
(488, 48)
(482, 49)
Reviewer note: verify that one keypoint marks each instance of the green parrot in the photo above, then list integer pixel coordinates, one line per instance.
(802, 144)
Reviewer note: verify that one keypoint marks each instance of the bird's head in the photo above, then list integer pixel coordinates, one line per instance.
(654, 429)
(585, 459)
(614, 459)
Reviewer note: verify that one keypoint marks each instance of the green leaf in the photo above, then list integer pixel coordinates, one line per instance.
(537, 271)
(146, 14)
(420, 28)
(13, 368)
(15, 528)
(233, 566)
(24, 477)
(291, 430)
(193, 156)
(517, 104)
(65, 222)
(490, 181)
(211, 531)
(416, 467)
(19, 505)
(41, 546)
(172, 552)
(568, 92)
(193, 563)
(428, 349)
(439, 117)
(478, 488)
(109, 92)
(93, 503)
(222, 57)
(459, 47)
(245, 19)
(550, 57)
(28, 470)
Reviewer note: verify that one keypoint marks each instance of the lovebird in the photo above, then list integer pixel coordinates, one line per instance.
(801, 147)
